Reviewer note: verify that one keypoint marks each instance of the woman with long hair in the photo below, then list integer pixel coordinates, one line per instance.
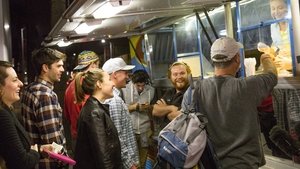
(98, 145)
(15, 149)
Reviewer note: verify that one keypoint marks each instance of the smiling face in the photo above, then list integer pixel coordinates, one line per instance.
(10, 90)
(120, 78)
(278, 9)
(107, 86)
(179, 77)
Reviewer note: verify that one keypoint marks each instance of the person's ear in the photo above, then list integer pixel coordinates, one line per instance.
(113, 75)
(237, 60)
(98, 84)
(45, 68)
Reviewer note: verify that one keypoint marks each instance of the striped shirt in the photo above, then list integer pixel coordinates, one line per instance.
(42, 117)
(122, 120)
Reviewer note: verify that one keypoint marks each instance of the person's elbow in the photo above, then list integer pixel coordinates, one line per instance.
(173, 115)
(157, 111)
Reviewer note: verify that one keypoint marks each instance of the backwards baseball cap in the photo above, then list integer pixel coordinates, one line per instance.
(116, 64)
(85, 58)
(226, 47)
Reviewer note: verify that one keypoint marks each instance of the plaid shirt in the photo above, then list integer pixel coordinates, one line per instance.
(121, 118)
(286, 107)
(42, 117)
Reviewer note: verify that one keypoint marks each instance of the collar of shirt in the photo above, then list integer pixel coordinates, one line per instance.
(116, 92)
(46, 83)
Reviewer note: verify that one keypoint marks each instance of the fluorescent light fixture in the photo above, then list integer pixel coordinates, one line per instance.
(63, 43)
(83, 28)
(111, 8)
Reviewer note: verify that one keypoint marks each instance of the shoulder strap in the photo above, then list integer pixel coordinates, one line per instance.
(209, 158)
(193, 135)
(190, 91)
(179, 121)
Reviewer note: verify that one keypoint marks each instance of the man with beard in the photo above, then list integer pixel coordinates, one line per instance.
(170, 104)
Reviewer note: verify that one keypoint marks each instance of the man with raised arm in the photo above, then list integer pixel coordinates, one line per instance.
(230, 105)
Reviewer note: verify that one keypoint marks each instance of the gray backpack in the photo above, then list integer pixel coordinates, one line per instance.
(182, 142)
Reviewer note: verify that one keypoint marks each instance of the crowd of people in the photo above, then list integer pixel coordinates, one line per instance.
(112, 120)
(112, 112)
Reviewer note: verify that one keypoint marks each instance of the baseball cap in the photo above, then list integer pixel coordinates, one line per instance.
(116, 64)
(225, 46)
(85, 58)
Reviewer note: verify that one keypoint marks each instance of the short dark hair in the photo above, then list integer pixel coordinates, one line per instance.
(46, 56)
(140, 76)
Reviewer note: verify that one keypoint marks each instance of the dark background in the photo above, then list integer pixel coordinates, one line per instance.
(36, 18)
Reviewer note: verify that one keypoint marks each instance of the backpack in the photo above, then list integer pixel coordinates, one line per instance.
(182, 142)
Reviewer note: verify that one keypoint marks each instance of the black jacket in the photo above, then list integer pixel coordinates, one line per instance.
(15, 143)
(98, 145)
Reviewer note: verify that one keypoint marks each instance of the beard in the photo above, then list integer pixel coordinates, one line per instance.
(181, 85)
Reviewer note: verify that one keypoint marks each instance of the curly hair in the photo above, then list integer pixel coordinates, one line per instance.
(140, 76)
(187, 67)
